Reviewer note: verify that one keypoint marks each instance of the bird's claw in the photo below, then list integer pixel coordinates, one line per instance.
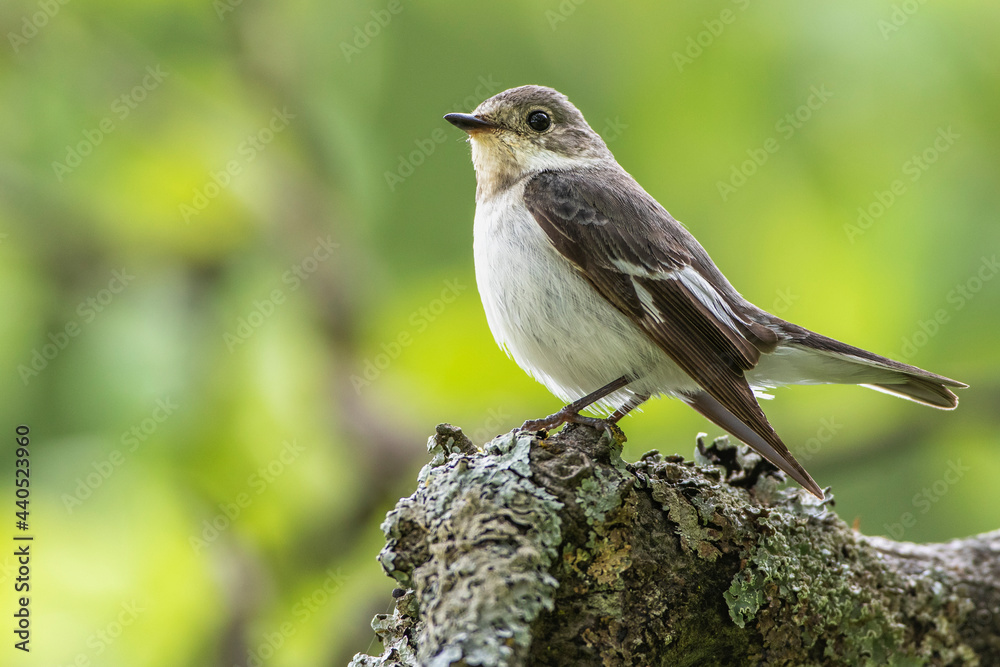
(564, 416)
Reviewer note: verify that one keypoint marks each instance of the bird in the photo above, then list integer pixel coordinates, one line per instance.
(598, 293)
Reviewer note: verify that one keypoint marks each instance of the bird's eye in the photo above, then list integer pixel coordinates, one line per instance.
(539, 121)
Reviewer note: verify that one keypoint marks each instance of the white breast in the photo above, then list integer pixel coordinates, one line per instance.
(550, 319)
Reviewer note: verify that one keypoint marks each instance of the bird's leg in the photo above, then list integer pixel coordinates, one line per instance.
(571, 413)
(631, 404)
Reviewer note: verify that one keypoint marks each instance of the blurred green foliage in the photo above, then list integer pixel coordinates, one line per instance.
(287, 210)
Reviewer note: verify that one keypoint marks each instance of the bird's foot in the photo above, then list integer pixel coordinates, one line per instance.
(565, 416)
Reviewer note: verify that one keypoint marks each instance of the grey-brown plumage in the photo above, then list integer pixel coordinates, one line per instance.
(599, 293)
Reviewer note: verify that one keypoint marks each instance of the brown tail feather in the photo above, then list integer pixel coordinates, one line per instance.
(913, 382)
(920, 390)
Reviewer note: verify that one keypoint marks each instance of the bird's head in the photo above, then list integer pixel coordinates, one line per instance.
(527, 130)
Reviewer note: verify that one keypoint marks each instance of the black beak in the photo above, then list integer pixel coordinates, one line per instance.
(468, 122)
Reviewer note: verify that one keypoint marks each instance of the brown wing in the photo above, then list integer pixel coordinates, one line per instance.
(646, 264)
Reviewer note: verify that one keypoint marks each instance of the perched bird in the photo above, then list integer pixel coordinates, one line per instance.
(603, 297)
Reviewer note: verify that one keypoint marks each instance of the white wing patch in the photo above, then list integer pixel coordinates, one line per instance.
(696, 284)
(708, 296)
(647, 301)
(630, 269)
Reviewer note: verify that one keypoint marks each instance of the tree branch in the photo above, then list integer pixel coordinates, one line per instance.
(556, 552)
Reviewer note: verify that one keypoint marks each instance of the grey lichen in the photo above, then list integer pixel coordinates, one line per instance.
(475, 542)
(398, 634)
(555, 552)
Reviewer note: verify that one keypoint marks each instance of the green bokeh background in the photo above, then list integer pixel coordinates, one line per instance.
(118, 575)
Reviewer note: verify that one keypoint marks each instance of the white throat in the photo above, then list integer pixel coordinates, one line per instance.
(500, 165)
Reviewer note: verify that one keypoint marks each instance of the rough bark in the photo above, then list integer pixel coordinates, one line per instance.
(557, 552)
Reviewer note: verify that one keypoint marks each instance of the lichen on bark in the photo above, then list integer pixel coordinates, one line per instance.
(475, 542)
(556, 552)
